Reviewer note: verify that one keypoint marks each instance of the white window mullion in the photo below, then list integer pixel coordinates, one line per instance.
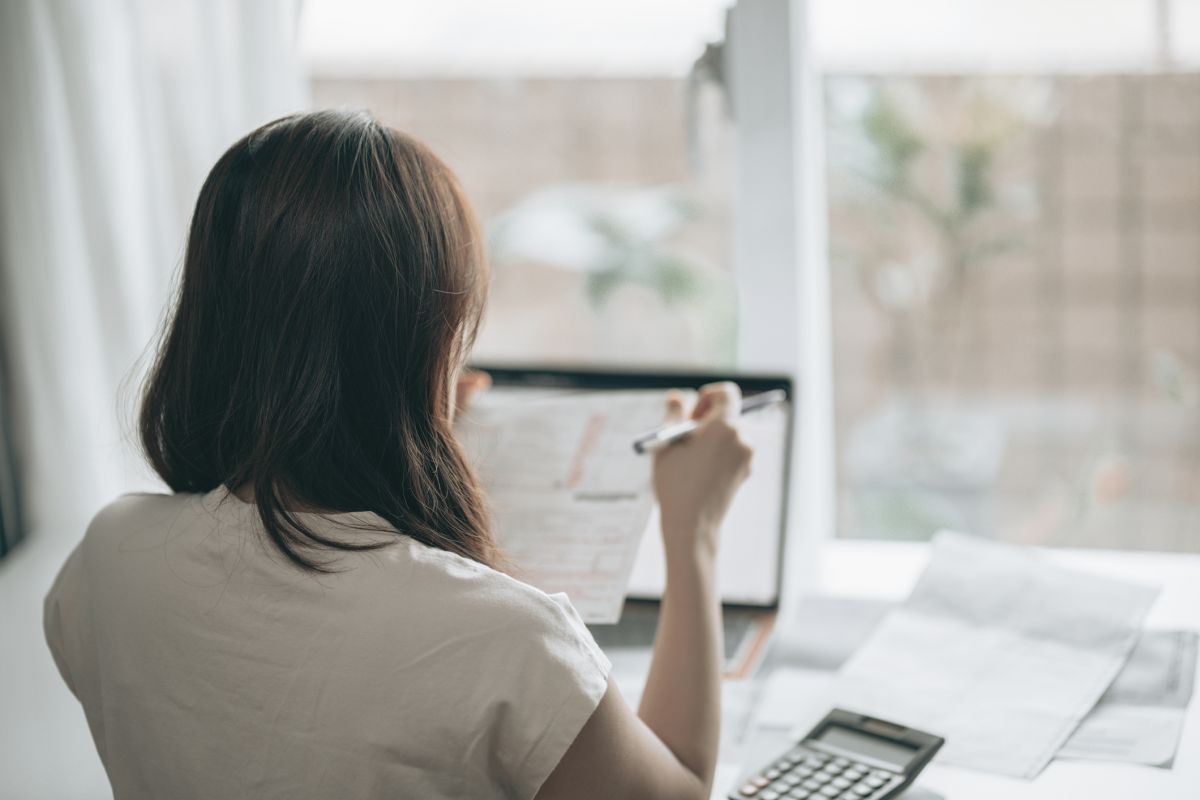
(780, 253)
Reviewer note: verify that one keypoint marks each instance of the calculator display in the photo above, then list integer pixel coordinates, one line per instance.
(888, 751)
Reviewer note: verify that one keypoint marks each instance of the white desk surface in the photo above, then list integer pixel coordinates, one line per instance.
(887, 570)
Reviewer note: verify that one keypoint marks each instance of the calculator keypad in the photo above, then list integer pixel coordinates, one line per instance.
(803, 774)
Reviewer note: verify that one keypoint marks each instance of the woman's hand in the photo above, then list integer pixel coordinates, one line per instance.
(695, 479)
(672, 751)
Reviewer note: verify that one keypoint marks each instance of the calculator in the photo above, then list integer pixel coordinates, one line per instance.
(846, 756)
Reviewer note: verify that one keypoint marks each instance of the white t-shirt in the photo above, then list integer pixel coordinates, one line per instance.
(209, 667)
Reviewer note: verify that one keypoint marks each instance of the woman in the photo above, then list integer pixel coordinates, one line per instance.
(319, 609)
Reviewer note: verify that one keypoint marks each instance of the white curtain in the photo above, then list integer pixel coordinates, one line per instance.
(113, 111)
(111, 114)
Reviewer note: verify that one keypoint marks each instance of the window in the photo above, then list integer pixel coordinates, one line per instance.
(1015, 271)
(1013, 194)
(605, 202)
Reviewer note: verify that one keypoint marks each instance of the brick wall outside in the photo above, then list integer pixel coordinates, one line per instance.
(1083, 341)
(508, 138)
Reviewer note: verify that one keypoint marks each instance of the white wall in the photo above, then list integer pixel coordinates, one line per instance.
(114, 111)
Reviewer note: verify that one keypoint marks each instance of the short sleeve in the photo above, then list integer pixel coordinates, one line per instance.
(58, 605)
(562, 676)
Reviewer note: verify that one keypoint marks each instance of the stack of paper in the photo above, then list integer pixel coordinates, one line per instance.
(998, 651)
(568, 496)
(1140, 718)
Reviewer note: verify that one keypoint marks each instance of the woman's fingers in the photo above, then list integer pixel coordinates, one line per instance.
(717, 401)
(695, 481)
(675, 408)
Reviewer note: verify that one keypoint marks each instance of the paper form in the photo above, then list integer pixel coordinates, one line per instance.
(568, 496)
(998, 651)
(1140, 718)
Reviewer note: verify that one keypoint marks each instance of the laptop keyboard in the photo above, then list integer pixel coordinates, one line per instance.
(638, 625)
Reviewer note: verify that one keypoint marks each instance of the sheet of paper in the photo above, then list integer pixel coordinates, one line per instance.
(823, 631)
(568, 496)
(795, 699)
(1140, 718)
(725, 779)
(998, 651)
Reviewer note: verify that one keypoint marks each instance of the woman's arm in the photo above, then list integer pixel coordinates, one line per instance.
(669, 750)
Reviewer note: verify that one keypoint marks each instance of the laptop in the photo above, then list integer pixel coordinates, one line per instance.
(750, 560)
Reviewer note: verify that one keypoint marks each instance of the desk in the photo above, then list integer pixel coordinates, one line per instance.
(888, 570)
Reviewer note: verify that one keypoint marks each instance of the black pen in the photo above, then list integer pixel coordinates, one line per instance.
(658, 439)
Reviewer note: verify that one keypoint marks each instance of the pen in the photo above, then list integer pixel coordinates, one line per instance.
(660, 438)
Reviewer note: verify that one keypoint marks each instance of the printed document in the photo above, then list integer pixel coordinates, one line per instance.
(1140, 718)
(569, 499)
(998, 651)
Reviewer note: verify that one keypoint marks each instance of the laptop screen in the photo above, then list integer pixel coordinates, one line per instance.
(748, 559)
(748, 567)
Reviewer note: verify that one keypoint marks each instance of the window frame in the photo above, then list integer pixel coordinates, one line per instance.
(780, 254)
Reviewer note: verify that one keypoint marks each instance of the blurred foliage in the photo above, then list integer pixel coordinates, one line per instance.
(645, 261)
(898, 144)
(617, 236)
(939, 158)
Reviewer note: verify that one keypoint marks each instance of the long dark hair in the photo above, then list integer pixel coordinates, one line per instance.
(332, 286)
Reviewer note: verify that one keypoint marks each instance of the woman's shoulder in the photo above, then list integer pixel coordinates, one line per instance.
(479, 597)
(493, 596)
(134, 504)
(523, 668)
(138, 510)
(141, 514)
(466, 594)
